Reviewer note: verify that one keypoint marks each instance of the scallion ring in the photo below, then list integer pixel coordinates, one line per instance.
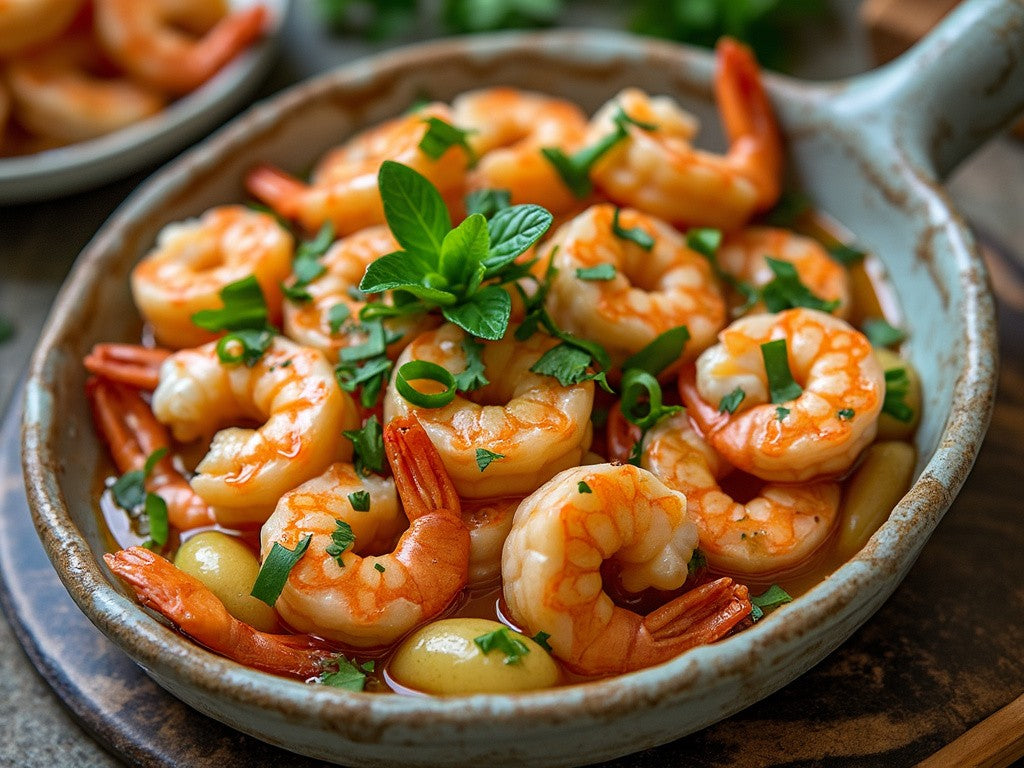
(424, 369)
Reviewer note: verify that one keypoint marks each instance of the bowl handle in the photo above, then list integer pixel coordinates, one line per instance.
(952, 91)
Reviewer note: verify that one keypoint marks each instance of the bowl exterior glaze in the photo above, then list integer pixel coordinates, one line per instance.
(939, 280)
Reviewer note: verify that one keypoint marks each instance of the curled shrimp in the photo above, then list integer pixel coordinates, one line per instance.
(551, 567)
(650, 291)
(197, 612)
(774, 531)
(537, 426)
(745, 253)
(139, 35)
(194, 260)
(131, 432)
(62, 92)
(489, 522)
(344, 185)
(509, 128)
(27, 23)
(656, 169)
(365, 600)
(818, 433)
(310, 322)
(290, 391)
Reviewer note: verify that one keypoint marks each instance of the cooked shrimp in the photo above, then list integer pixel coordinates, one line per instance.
(658, 170)
(197, 612)
(344, 186)
(551, 567)
(510, 127)
(290, 391)
(651, 291)
(5, 109)
(538, 426)
(139, 35)
(745, 255)
(368, 601)
(27, 23)
(194, 260)
(309, 322)
(816, 434)
(132, 433)
(774, 531)
(488, 521)
(60, 92)
(127, 363)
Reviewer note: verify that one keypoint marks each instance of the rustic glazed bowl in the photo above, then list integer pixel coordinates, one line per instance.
(868, 151)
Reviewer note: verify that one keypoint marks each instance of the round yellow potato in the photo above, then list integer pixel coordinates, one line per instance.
(229, 569)
(875, 488)
(443, 658)
(889, 427)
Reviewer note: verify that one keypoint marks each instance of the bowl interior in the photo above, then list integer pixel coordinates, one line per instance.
(938, 282)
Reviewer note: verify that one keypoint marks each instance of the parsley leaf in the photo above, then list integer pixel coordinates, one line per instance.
(582, 487)
(634, 235)
(773, 597)
(602, 272)
(846, 255)
(781, 413)
(502, 640)
(575, 169)
(306, 265)
(156, 515)
(346, 674)
(275, 569)
(845, 414)
(897, 385)
(245, 308)
(342, 537)
(368, 446)
(360, 501)
(485, 457)
(473, 376)
(129, 490)
(442, 136)
(881, 334)
(781, 385)
(698, 560)
(786, 290)
(729, 403)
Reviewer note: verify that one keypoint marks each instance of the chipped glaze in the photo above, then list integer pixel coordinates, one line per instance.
(853, 148)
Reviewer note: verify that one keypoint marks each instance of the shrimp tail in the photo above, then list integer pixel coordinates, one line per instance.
(188, 603)
(227, 39)
(127, 363)
(700, 616)
(755, 143)
(421, 479)
(131, 431)
(279, 190)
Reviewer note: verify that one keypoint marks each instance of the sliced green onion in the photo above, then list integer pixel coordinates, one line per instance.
(781, 385)
(245, 346)
(424, 369)
(275, 569)
(598, 272)
(647, 411)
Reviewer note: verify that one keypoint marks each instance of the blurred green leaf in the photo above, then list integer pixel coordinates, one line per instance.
(485, 15)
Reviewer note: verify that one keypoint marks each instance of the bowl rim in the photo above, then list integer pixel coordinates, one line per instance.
(156, 647)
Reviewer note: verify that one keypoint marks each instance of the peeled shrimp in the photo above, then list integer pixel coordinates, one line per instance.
(188, 603)
(745, 252)
(194, 260)
(344, 185)
(651, 291)
(551, 567)
(139, 35)
(127, 425)
(774, 531)
(57, 93)
(489, 522)
(290, 392)
(372, 600)
(659, 171)
(821, 432)
(27, 23)
(537, 425)
(309, 323)
(510, 127)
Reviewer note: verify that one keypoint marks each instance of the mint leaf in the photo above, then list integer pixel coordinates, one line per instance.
(512, 231)
(414, 210)
(484, 314)
(464, 249)
(402, 270)
(488, 202)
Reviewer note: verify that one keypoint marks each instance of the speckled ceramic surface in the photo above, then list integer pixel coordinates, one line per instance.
(868, 152)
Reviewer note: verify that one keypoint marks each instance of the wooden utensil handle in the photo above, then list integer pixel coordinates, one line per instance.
(995, 742)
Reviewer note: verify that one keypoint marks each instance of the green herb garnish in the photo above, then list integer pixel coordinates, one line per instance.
(129, 490)
(598, 272)
(786, 290)
(275, 569)
(698, 561)
(342, 537)
(487, 202)
(582, 487)
(502, 640)
(472, 377)
(442, 136)
(781, 413)
(897, 386)
(641, 402)
(773, 597)
(346, 674)
(706, 242)
(845, 414)
(415, 370)
(6, 329)
(244, 346)
(159, 527)
(306, 265)
(485, 457)
(881, 334)
(634, 235)
(541, 639)
(846, 255)
(731, 402)
(360, 501)
(368, 446)
(660, 353)
(781, 385)
(337, 315)
(245, 308)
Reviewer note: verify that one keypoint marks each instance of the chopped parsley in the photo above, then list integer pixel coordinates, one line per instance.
(781, 385)
(786, 290)
(442, 136)
(342, 537)
(346, 674)
(360, 501)
(501, 640)
(729, 403)
(337, 315)
(881, 334)
(773, 597)
(275, 569)
(306, 265)
(368, 446)
(485, 457)
(541, 639)
(582, 487)
(845, 414)
(473, 376)
(634, 235)
(897, 386)
(781, 413)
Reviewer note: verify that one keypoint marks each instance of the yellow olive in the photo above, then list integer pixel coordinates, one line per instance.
(889, 427)
(229, 569)
(876, 486)
(444, 658)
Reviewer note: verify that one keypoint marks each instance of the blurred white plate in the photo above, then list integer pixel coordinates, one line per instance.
(62, 171)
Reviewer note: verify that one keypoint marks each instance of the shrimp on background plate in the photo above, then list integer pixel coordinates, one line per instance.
(656, 168)
(551, 570)
(365, 600)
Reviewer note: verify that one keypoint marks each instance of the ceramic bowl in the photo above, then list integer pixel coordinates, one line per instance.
(868, 152)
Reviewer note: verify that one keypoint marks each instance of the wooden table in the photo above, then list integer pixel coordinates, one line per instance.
(942, 654)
